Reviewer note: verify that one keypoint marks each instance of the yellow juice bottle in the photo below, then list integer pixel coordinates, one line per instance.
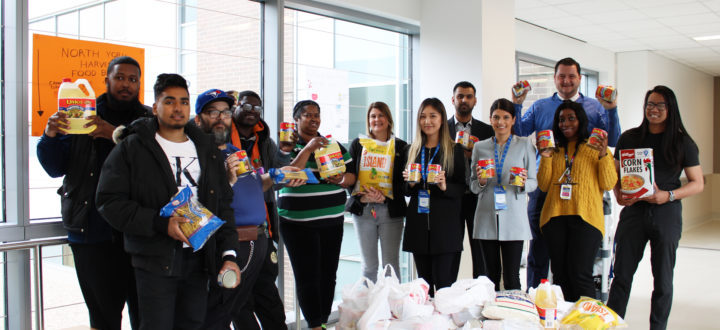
(546, 304)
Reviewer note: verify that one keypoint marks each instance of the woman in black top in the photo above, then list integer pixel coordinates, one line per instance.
(657, 218)
(433, 226)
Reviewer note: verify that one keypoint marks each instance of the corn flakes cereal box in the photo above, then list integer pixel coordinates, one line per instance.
(637, 173)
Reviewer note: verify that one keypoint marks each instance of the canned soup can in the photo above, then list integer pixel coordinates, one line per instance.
(487, 168)
(414, 173)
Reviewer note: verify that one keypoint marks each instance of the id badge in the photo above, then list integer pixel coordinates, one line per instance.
(500, 198)
(423, 201)
(565, 191)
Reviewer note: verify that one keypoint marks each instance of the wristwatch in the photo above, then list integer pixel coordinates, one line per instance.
(672, 196)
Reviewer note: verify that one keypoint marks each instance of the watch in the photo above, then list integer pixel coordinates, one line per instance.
(672, 196)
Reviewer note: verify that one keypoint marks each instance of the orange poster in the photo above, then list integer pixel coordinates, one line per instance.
(55, 58)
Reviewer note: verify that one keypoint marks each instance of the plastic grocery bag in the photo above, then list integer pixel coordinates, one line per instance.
(378, 308)
(354, 303)
(591, 314)
(463, 294)
(408, 300)
(433, 322)
(376, 165)
(202, 225)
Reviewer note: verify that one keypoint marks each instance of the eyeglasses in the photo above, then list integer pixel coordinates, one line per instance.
(662, 106)
(248, 107)
(215, 113)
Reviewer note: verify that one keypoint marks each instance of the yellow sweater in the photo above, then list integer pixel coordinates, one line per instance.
(592, 176)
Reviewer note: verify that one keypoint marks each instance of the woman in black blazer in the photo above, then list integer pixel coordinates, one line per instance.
(433, 228)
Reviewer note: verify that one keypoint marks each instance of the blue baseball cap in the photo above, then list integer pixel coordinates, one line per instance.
(212, 95)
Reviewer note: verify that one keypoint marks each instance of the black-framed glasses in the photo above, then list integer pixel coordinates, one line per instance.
(248, 107)
(661, 106)
(215, 113)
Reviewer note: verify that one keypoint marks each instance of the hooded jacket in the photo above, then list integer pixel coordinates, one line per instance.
(137, 181)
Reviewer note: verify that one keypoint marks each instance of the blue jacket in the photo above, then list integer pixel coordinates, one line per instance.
(541, 113)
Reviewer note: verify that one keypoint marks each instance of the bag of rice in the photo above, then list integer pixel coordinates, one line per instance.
(591, 314)
(512, 304)
(202, 225)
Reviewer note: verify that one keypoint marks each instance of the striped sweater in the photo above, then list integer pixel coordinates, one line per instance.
(313, 201)
(592, 176)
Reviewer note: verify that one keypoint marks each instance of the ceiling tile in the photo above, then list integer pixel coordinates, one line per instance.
(648, 33)
(654, 3)
(664, 42)
(709, 43)
(596, 8)
(682, 20)
(617, 16)
(538, 14)
(569, 22)
(690, 8)
(699, 29)
(525, 4)
(713, 5)
(637, 25)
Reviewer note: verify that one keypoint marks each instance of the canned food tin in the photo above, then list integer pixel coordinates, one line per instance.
(521, 87)
(415, 174)
(433, 172)
(545, 139)
(227, 279)
(607, 93)
(515, 178)
(487, 168)
(286, 131)
(473, 140)
(596, 135)
(244, 168)
(462, 138)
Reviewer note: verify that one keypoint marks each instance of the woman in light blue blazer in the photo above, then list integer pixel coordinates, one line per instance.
(501, 222)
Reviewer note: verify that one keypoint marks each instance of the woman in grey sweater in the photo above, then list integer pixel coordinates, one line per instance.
(501, 221)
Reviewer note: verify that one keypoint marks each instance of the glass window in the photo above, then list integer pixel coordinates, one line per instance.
(540, 73)
(345, 66)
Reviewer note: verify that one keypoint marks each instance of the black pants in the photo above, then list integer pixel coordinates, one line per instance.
(438, 270)
(264, 300)
(107, 282)
(640, 223)
(224, 303)
(469, 203)
(314, 251)
(573, 245)
(510, 252)
(538, 259)
(174, 302)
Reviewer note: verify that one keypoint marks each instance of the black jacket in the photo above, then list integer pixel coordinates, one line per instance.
(79, 158)
(137, 181)
(396, 205)
(441, 230)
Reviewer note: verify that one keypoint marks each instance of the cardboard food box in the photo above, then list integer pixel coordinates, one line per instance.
(637, 173)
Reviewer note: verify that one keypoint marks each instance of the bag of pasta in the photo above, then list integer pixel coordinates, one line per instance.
(591, 314)
(376, 165)
(202, 225)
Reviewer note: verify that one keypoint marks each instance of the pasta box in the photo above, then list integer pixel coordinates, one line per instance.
(637, 173)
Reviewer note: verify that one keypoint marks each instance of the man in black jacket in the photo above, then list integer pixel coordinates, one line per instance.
(464, 101)
(97, 249)
(156, 157)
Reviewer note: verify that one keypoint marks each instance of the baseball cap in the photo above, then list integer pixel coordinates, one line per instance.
(212, 95)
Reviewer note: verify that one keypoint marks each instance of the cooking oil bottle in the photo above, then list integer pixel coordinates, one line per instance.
(77, 100)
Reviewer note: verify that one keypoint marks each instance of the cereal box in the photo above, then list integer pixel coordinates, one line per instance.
(487, 168)
(637, 173)
(433, 172)
(545, 139)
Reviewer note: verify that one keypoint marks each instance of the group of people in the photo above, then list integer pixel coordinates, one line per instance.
(112, 194)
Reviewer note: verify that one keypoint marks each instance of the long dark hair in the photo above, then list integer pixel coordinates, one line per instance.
(674, 134)
(582, 118)
(504, 105)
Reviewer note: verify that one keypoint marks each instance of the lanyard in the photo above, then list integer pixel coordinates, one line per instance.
(500, 161)
(422, 161)
(569, 162)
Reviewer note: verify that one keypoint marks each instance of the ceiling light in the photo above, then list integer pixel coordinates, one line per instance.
(705, 38)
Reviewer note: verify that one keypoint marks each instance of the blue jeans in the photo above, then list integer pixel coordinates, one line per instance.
(384, 228)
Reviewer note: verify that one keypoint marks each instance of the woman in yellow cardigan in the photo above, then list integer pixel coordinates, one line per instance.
(574, 178)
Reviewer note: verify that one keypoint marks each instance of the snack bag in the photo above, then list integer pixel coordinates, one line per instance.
(636, 173)
(282, 177)
(329, 159)
(592, 314)
(203, 223)
(545, 139)
(376, 165)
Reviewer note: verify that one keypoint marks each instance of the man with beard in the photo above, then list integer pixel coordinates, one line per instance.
(251, 133)
(601, 114)
(464, 101)
(251, 212)
(103, 268)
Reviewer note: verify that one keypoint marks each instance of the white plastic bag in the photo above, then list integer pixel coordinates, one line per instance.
(464, 293)
(379, 299)
(354, 303)
(408, 300)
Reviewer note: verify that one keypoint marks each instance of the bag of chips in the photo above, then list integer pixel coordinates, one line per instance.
(376, 165)
(202, 225)
(591, 314)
